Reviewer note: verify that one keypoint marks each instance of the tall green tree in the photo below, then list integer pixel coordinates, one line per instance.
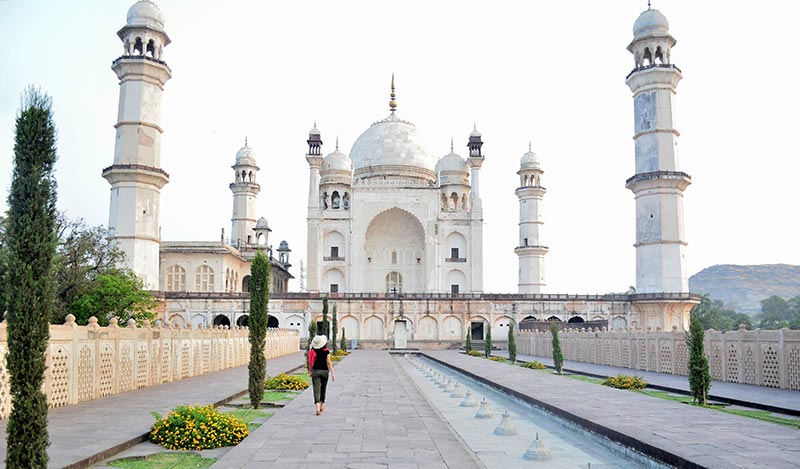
(777, 313)
(558, 356)
(116, 294)
(713, 314)
(83, 254)
(487, 344)
(257, 327)
(326, 325)
(468, 345)
(334, 328)
(312, 331)
(29, 295)
(699, 376)
(344, 341)
(512, 343)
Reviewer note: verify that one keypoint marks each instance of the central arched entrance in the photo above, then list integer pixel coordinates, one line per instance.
(395, 254)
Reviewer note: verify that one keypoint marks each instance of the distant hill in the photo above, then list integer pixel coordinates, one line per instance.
(742, 287)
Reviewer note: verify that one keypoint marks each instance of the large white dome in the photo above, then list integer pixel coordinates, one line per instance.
(392, 147)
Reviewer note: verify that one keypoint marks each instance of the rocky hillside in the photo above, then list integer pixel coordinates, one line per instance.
(742, 287)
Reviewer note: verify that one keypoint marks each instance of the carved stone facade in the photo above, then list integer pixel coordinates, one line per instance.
(760, 357)
(90, 362)
(435, 320)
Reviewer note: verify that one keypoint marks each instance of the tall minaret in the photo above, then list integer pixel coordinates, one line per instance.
(314, 239)
(531, 252)
(245, 190)
(659, 183)
(475, 161)
(136, 176)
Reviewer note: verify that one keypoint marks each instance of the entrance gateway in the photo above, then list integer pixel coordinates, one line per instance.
(400, 332)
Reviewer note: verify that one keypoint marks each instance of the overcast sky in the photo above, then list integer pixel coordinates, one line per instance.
(549, 72)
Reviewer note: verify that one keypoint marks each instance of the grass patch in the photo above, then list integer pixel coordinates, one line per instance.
(159, 460)
(763, 415)
(588, 379)
(248, 415)
(665, 395)
(277, 396)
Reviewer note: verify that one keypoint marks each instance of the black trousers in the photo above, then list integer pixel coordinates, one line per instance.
(319, 380)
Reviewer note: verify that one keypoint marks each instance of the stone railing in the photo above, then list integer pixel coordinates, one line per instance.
(90, 362)
(760, 357)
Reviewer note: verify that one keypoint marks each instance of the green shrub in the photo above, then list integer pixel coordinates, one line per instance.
(497, 359)
(284, 382)
(535, 365)
(197, 427)
(475, 353)
(625, 382)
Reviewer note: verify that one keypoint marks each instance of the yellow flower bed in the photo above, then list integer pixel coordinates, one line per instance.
(284, 382)
(497, 359)
(625, 382)
(196, 428)
(475, 353)
(341, 353)
(535, 365)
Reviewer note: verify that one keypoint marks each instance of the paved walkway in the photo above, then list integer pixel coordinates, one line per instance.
(375, 417)
(82, 434)
(683, 435)
(776, 400)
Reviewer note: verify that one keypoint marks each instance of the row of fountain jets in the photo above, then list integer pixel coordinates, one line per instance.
(535, 452)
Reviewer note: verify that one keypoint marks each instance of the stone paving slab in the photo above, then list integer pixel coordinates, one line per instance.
(777, 400)
(80, 434)
(697, 437)
(375, 417)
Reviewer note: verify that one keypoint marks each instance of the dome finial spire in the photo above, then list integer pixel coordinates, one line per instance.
(648, 5)
(337, 143)
(245, 140)
(529, 145)
(451, 144)
(392, 102)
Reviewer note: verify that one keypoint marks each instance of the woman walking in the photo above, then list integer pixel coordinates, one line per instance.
(321, 366)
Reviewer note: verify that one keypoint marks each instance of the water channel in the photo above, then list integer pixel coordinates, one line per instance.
(505, 432)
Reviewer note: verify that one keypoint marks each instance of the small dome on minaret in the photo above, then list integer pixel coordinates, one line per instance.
(246, 155)
(650, 23)
(145, 13)
(530, 161)
(652, 44)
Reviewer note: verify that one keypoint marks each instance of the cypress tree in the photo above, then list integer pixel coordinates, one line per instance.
(487, 345)
(334, 325)
(326, 325)
(29, 295)
(312, 331)
(699, 376)
(257, 323)
(344, 341)
(512, 343)
(468, 346)
(558, 357)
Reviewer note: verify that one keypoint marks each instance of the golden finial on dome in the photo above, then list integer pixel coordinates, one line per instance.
(392, 103)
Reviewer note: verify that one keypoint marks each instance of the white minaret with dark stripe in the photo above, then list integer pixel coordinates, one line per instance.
(136, 176)
(658, 183)
(530, 250)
